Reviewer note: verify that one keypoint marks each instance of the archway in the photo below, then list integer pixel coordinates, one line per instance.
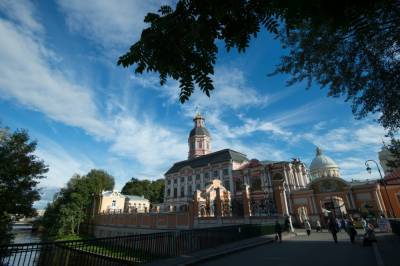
(335, 206)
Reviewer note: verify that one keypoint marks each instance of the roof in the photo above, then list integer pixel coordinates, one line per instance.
(211, 158)
(321, 162)
(134, 197)
(199, 131)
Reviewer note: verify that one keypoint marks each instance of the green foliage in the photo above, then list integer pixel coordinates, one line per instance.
(20, 170)
(5, 228)
(151, 190)
(72, 205)
(394, 148)
(351, 47)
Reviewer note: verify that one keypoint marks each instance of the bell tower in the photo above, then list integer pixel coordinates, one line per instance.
(199, 139)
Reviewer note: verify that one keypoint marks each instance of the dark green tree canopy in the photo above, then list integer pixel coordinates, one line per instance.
(20, 171)
(351, 47)
(151, 190)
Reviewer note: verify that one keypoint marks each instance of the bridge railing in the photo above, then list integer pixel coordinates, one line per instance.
(126, 250)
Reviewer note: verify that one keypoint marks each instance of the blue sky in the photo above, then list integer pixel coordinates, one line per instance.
(59, 80)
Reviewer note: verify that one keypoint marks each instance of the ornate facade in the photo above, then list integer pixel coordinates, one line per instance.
(227, 183)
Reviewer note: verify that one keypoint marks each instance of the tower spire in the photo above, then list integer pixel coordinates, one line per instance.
(199, 139)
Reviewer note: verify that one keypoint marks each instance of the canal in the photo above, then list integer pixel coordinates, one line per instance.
(23, 234)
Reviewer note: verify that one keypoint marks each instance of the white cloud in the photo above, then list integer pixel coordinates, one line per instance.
(27, 76)
(62, 164)
(152, 145)
(22, 12)
(108, 23)
(361, 136)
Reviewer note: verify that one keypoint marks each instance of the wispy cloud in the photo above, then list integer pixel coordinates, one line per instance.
(27, 75)
(108, 24)
(62, 164)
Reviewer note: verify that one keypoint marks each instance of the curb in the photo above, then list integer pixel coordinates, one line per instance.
(378, 257)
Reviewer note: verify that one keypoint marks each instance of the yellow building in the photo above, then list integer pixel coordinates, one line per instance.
(116, 202)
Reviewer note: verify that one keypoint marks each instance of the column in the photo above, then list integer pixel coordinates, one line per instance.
(230, 179)
(179, 187)
(186, 186)
(378, 202)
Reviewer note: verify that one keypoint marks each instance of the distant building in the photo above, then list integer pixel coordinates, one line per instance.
(115, 202)
(328, 194)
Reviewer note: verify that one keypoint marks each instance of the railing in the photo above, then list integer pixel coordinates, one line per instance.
(395, 224)
(126, 250)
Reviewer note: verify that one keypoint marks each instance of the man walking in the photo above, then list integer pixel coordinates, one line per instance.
(333, 228)
(278, 231)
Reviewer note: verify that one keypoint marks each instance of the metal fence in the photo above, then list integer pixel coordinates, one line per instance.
(126, 250)
(395, 224)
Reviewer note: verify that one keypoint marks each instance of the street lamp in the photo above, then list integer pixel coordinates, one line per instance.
(369, 170)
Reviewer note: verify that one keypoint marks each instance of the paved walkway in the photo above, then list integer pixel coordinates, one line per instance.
(318, 249)
(389, 248)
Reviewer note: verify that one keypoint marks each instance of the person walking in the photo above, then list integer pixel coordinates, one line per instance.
(364, 225)
(319, 229)
(333, 228)
(278, 231)
(307, 226)
(351, 231)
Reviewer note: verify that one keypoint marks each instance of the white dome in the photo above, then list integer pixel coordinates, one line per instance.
(323, 166)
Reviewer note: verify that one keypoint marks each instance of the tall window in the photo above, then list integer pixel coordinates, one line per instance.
(190, 191)
(200, 144)
(206, 175)
(197, 177)
(175, 192)
(182, 180)
(215, 173)
(113, 203)
(225, 171)
(182, 191)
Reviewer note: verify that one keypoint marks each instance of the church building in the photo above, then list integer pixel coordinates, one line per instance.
(265, 188)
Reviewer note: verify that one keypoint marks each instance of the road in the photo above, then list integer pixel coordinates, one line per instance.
(318, 249)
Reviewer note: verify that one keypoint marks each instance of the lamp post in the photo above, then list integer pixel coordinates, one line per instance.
(369, 170)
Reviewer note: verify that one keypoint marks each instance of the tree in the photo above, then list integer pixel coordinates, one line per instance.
(20, 171)
(151, 190)
(394, 149)
(352, 47)
(72, 205)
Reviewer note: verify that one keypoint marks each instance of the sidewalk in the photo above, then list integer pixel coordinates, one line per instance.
(211, 253)
(388, 249)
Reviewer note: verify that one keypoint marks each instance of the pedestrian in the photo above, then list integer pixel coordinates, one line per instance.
(343, 224)
(369, 236)
(351, 231)
(337, 225)
(318, 226)
(278, 231)
(364, 224)
(307, 226)
(333, 228)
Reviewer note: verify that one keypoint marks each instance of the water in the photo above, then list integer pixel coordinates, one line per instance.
(24, 234)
